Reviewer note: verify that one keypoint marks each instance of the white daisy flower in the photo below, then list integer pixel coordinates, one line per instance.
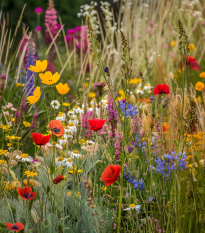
(75, 153)
(72, 128)
(59, 161)
(92, 102)
(90, 142)
(76, 110)
(61, 116)
(62, 141)
(81, 111)
(67, 162)
(147, 87)
(70, 113)
(73, 120)
(55, 104)
(133, 206)
(24, 158)
(140, 91)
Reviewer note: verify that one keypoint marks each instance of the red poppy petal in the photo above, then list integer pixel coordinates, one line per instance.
(27, 189)
(9, 225)
(55, 124)
(33, 195)
(107, 173)
(194, 65)
(165, 89)
(116, 168)
(109, 182)
(37, 138)
(45, 139)
(19, 225)
(20, 191)
(157, 90)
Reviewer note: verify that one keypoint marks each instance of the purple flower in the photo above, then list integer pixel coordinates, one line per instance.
(106, 69)
(38, 10)
(38, 28)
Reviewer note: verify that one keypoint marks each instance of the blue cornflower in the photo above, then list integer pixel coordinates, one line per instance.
(130, 111)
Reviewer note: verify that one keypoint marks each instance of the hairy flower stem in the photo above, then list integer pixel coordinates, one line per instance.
(27, 218)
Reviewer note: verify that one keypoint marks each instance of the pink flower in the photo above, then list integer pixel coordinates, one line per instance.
(9, 105)
(38, 10)
(38, 28)
(13, 109)
(6, 113)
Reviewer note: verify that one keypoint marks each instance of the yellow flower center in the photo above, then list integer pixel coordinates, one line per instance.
(76, 107)
(71, 124)
(69, 160)
(132, 205)
(60, 159)
(24, 156)
(75, 152)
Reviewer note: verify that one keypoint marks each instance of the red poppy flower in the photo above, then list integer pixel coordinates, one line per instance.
(15, 227)
(193, 63)
(96, 124)
(39, 139)
(161, 89)
(110, 174)
(58, 179)
(26, 193)
(56, 128)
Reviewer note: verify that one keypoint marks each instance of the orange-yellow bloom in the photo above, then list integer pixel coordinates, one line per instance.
(40, 66)
(191, 47)
(49, 79)
(199, 86)
(173, 43)
(62, 89)
(202, 75)
(35, 97)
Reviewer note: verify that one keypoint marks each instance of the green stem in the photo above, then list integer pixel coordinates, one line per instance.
(27, 218)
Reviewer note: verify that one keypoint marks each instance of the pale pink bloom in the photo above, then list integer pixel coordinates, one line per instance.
(13, 109)
(49, 145)
(59, 146)
(9, 105)
(6, 113)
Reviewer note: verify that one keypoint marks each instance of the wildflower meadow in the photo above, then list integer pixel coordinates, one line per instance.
(102, 126)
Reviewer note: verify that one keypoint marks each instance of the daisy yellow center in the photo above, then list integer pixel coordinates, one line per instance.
(60, 114)
(60, 159)
(82, 108)
(75, 152)
(24, 156)
(69, 160)
(71, 124)
(55, 104)
(140, 89)
(132, 205)
(76, 107)
(71, 111)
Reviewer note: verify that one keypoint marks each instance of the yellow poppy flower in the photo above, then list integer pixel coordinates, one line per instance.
(40, 66)
(173, 43)
(62, 89)
(91, 95)
(191, 47)
(199, 86)
(35, 97)
(49, 79)
(202, 75)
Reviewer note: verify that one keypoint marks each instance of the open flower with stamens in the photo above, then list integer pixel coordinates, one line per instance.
(15, 227)
(134, 207)
(75, 154)
(76, 110)
(56, 128)
(55, 104)
(26, 193)
(40, 66)
(24, 158)
(49, 79)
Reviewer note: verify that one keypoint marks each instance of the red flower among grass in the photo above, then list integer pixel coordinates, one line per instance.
(26, 193)
(15, 227)
(96, 124)
(56, 128)
(193, 63)
(161, 89)
(39, 139)
(58, 179)
(111, 174)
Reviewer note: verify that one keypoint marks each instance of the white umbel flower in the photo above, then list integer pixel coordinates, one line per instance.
(55, 104)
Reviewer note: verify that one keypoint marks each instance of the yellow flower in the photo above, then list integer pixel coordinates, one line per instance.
(19, 85)
(134, 81)
(9, 144)
(40, 66)
(2, 161)
(91, 95)
(136, 157)
(2, 152)
(191, 47)
(35, 97)
(77, 194)
(66, 104)
(69, 193)
(30, 174)
(24, 155)
(27, 124)
(165, 127)
(173, 43)
(81, 141)
(49, 79)
(104, 188)
(202, 75)
(13, 119)
(62, 89)
(199, 86)
(132, 205)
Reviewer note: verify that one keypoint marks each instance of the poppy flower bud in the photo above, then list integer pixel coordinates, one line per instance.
(58, 179)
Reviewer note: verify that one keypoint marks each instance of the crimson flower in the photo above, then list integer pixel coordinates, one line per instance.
(58, 179)
(193, 63)
(111, 174)
(161, 89)
(26, 193)
(15, 227)
(39, 139)
(96, 124)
